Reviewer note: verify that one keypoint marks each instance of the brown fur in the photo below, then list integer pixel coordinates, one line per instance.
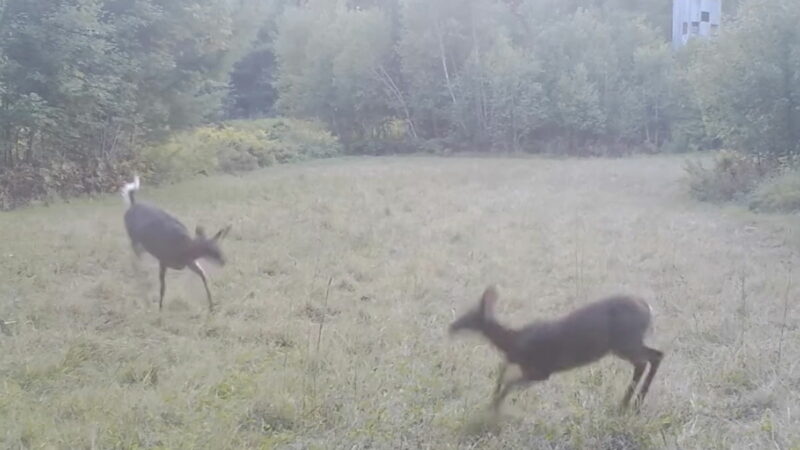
(612, 325)
(159, 233)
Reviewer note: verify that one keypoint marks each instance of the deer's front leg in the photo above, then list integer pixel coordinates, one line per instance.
(528, 377)
(162, 274)
(501, 377)
(509, 386)
(195, 267)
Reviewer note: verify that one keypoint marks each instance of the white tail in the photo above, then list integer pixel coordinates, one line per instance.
(129, 189)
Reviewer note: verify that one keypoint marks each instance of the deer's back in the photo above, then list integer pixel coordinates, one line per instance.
(613, 324)
(620, 319)
(161, 234)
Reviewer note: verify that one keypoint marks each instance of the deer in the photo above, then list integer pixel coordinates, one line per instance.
(160, 234)
(615, 325)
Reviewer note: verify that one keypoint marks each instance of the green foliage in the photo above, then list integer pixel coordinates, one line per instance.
(60, 177)
(331, 60)
(87, 84)
(236, 147)
(84, 82)
(778, 194)
(747, 90)
(731, 176)
(252, 92)
(514, 95)
(481, 75)
(748, 83)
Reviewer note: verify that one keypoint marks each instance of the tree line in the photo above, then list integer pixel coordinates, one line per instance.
(85, 84)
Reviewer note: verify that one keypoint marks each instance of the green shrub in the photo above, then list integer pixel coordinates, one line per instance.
(28, 183)
(231, 147)
(238, 146)
(182, 155)
(778, 194)
(732, 176)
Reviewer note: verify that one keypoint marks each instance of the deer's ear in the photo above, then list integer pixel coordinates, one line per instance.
(222, 233)
(488, 300)
(200, 232)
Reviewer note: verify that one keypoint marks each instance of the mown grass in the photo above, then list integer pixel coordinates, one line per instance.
(343, 275)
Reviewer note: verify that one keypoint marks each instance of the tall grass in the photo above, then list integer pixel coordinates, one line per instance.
(342, 278)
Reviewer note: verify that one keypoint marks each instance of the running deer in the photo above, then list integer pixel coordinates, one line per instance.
(167, 239)
(612, 325)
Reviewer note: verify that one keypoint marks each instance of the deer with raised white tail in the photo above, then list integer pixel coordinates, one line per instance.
(160, 234)
(612, 325)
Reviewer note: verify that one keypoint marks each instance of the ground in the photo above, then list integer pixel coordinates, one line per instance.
(342, 277)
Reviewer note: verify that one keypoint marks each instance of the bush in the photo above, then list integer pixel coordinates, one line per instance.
(778, 194)
(231, 147)
(237, 147)
(732, 176)
(27, 183)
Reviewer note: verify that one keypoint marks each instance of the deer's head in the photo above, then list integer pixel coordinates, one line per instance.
(206, 247)
(476, 318)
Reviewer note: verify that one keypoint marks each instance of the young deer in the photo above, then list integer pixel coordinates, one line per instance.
(613, 325)
(167, 239)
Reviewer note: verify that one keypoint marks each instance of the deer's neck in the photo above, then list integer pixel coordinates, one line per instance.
(500, 336)
(194, 250)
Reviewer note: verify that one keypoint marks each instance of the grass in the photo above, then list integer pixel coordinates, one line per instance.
(330, 330)
(778, 194)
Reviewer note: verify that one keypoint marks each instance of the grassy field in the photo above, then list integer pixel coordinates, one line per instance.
(332, 312)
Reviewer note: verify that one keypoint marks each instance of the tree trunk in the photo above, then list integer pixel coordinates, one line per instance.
(657, 124)
(513, 126)
(790, 103)
(448, 83)
(480, 109)
(391, 86)
(443, 57)
(29, 149)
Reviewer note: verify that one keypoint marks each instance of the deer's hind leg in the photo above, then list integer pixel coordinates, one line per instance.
(641, 356)
(654, 357)
(638, 370)
(501, 377)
